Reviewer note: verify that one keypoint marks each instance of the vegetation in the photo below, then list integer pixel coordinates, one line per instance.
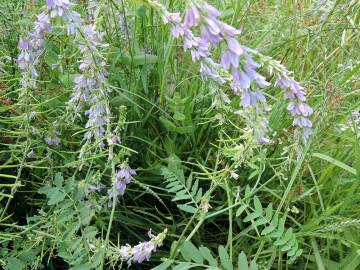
(149, 134)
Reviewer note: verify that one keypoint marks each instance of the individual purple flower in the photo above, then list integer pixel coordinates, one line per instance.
(122, 180)
(58, 7)
(126, 253)
(229, 59)
(143, 251)
(264, 140)
(192, 16)
(126, 174)
(177, 31)
(299, 108)
(234, 46)
(211, 11)
(302, 122)
(24, 44)
(228, 30)
(251, 98)
(25, 58)
(52, 141)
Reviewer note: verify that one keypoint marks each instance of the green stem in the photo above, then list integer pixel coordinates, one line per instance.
(230, 232)
(111, 218)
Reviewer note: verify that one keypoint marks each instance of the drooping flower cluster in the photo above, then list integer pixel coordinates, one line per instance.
(31, 49)
(294, 92)
(143, 250)
(90, 88)
(295, 95)
(122, 180)
(245, 80)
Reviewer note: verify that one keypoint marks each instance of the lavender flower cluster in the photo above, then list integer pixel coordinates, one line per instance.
(122, 180)
(245, 80)
(90, 86)
(91, 89)
(294, 92)
(143, 250)
(32, 48)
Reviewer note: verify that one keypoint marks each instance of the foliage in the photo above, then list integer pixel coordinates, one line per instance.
(121, 146)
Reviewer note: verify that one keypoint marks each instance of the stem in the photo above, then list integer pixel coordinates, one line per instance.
(229, 201)
(111, 216)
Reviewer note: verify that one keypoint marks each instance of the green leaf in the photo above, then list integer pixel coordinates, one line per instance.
(206, 253)
(14, 264)
(71, 229)
(260, 221)
(190, 252)
(198, 195)
(187, 208)
(225, 259)
(251, 216)
(288, 234)
(241, 209)
(269, 212)
(195, 187)
(86, 215)
(253, 266)
(336, 162)
(59, 179)
(181, 197)
(242, 262)
(85, 266)
(357, 159)
(179, 116)
(349, 75)
(257, 204)
(56, 196)
(164, 265)
(267, 230)
(183, 266)
(90, 232)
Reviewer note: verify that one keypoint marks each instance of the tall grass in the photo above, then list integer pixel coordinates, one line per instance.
(213, 197)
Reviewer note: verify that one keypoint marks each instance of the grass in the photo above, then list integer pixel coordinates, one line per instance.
(178, 142)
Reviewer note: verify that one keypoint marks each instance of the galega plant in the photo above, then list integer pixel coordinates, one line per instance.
(155, 134)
